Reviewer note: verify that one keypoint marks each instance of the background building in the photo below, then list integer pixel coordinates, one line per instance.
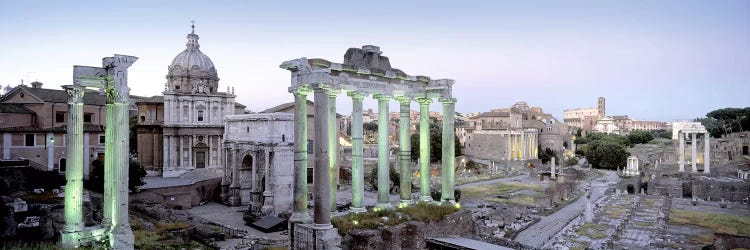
(33, 123)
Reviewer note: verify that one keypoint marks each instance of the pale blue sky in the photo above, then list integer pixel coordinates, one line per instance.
(656, 60)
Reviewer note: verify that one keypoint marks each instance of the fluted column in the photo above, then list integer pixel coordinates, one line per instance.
(682, 151)
(333, 146)
(405, 147)
(694, 153)
(449, 149)
(706, 154)
(300, 155)
(74, 171)
(383, 150)
(358, 177)
(509, 154)
(424, 148)
(321, 177)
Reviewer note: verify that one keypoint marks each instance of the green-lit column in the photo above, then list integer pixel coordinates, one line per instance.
(74, 172)
(300, 154)
(449, 149)
(424, 148)
(383, 149)
(321, 177)
(333, 146)
(358, 177)
(405, 146)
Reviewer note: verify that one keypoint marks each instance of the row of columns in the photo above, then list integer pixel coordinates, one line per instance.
(694, 152)
(522, 146)
(174, 147)
(325, 150)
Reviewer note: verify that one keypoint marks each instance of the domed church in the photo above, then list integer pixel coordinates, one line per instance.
(191, 122)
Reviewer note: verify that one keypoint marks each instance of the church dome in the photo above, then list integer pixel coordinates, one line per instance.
(191, 71)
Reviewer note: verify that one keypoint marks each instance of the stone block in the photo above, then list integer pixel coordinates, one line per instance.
(308, 236)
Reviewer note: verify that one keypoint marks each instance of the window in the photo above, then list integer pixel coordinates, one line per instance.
(30, 140)
(200, 115)
(143, 118)
(309, 146)
(176, 86)
(60, 117)
(101, 139)
(87, 118)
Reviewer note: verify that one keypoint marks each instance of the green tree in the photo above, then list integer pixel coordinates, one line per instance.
(606, 154)
(640, 137)
(96, 179)
(133, 136)
(436, 143)
(726, 120)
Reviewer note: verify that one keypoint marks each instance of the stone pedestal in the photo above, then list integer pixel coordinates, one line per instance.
(314, 236)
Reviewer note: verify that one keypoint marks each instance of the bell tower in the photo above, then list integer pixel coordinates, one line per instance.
(601, 107)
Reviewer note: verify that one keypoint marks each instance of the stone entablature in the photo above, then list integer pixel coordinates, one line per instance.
(363, 80)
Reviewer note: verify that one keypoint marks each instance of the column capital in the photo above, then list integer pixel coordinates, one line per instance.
(356, 95)
(381, 97)
(302, 90)
(332, 92)
(75, 93)
(115, 96)
(403, 99)
(447, 100)
(424, 100)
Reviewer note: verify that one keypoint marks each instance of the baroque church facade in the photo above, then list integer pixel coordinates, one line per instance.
(187, 120)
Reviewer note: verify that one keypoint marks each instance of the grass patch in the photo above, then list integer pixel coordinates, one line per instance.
(170, 226)
(44, 198)
(525, 200)
(424, 212)
(478, 178)
(498, 188)
(721, 223)
(614, 212)
(593, 231)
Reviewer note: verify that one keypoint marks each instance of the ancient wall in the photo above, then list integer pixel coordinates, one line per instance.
(714, 189)
(486, 146)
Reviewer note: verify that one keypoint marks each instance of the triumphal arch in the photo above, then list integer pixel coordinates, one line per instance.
(114, 230)
(365, 72)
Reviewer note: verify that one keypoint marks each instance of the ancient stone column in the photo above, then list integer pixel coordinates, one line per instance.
(706, 153)
(424, 148)
(358, 177)
(509, 154)
(552, 167)
(383, 149)
(523, 146)
(694, 153)
(267, 194)
(405, 148)
(588, 214)
(333, 147)
(321, 177)
(300, 155)
(74, 172)
(682, 151)
(449, 149)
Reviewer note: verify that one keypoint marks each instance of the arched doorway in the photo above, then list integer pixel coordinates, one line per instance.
(631, 189)
(62, 165)
(247, 162)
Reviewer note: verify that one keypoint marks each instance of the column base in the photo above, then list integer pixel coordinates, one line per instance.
(315, 236)
(299, 217)
(122, 238)
(384, 205)
(426, 198)
(357, 210)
